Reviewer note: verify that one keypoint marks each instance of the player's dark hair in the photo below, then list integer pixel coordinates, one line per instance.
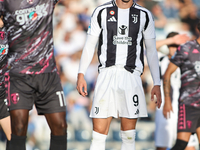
(172, 34)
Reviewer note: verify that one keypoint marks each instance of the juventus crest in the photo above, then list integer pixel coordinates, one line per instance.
(135, 18)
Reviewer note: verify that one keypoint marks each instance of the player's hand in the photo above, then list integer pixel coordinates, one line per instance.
(167, 108)
(156, 91)
(180, 39)
(1, 23)
(81, 85)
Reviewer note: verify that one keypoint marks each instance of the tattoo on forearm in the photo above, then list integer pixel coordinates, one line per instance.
(166, 84)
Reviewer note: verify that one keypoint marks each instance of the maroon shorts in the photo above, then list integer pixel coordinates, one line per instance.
(44, 90)
(188, 118)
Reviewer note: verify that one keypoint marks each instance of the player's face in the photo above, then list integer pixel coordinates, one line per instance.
(172, 51)
(126, 1)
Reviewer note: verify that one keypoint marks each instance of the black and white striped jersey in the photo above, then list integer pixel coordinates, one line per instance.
(121, 33)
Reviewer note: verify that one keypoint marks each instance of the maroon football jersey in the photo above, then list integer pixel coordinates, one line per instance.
(30, 31)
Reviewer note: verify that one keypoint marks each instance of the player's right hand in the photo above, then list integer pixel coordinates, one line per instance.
(167, 108)
(81, 85)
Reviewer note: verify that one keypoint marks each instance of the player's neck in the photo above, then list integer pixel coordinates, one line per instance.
(124, 5)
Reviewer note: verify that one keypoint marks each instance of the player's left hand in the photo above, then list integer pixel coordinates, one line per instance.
(156, 91)
(1, 23)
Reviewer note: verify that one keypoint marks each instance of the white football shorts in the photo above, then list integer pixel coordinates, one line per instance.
(118, 93)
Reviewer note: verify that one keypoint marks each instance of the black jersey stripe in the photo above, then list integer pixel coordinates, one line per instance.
(113, 2)
(99, 17)
(100, 43)
(142, 52)
(147, 16)
(111, 30)
(147, 20)
(133, 32)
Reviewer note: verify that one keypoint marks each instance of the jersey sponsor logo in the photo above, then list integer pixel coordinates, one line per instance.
(25, 16)
(33, 16)
(15, 98)
(112, 19)
(123, 29)
(112, 12)
(3, 49)
(122, 40)
(96, 110)
(2, 35)
(135, 18)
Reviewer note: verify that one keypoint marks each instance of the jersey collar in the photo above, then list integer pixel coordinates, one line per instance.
(114, 3)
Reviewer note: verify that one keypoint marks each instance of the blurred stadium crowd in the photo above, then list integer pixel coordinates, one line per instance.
(71, 20)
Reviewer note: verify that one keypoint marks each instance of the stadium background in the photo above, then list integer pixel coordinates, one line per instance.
(71, 19)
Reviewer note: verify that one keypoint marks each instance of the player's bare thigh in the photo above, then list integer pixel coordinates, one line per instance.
(5, 124)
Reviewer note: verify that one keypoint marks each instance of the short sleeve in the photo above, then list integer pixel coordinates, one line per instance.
(149, 28)
(180, 56)
(95, 23)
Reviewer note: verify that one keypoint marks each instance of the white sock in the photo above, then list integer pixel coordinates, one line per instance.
(128, 140)
(98, 141)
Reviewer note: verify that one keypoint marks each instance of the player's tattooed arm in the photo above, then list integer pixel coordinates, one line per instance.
(166, 86)
(167, 108)
(166, 78)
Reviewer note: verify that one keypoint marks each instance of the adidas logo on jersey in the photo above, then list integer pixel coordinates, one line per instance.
(112, 19)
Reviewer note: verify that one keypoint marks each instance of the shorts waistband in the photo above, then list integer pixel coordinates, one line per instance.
(120, 67)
